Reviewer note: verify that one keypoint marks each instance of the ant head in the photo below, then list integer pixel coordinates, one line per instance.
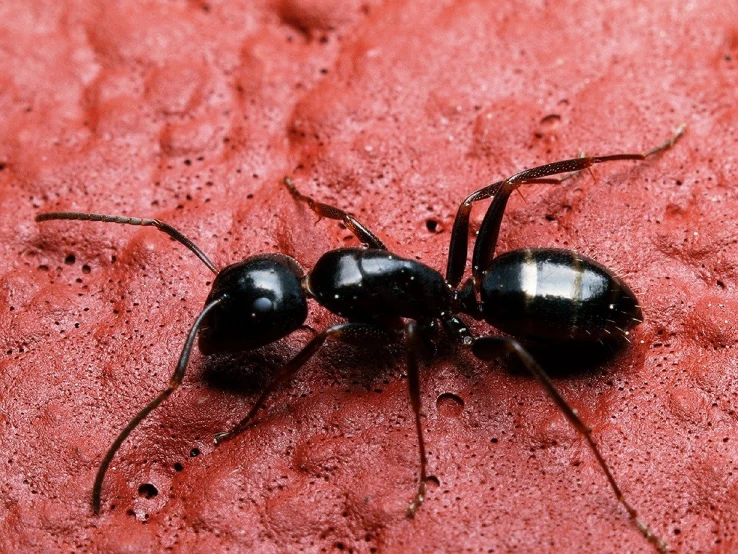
(262, 301)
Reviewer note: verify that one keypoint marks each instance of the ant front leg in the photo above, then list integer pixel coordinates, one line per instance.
(362, 334)
(331, 212)
(484, 248)
(487, 348)
(347, 332)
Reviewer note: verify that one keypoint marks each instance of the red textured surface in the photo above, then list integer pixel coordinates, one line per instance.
(192, 112)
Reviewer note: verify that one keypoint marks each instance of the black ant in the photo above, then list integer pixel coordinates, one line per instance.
(538, 294)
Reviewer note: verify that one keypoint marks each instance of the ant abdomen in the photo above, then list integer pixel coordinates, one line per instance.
(263, 301)
(552, 294)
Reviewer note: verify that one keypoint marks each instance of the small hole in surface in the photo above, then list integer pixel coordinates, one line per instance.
(449, 405)
(551, 121)
(70, 259)
(147, 490)
(431, 225)
(178, 466)
(194, 452)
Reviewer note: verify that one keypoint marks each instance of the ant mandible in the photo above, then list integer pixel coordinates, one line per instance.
(385, 297)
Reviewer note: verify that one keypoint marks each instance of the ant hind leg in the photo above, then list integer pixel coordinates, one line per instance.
(487, 238)
(487, 348)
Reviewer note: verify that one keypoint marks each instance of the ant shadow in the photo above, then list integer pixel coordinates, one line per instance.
(569, 361)
(248, 373)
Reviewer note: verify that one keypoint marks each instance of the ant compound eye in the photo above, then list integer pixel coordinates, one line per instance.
(262, 305)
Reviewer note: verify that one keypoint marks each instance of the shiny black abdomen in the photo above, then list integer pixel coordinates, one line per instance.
(265, 302)
(376, 285)
(551, 294)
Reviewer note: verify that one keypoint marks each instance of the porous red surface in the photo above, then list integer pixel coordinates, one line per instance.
(192, 112)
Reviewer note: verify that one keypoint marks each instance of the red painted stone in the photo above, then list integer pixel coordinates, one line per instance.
(192, 112)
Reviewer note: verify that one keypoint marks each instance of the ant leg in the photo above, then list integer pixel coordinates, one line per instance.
(347, 332)
(412, 336)
(160, 225)
(487, 348)
(174, 382)
(331, 212)
(490, 228)
(486, 243)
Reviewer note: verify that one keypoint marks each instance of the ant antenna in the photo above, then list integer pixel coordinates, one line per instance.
(174, 382)
(160, 225)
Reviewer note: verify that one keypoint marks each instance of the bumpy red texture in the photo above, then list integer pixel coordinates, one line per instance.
(193, 112)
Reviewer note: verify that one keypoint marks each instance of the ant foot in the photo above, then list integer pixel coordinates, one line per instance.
(221, 437)
(414, 505)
